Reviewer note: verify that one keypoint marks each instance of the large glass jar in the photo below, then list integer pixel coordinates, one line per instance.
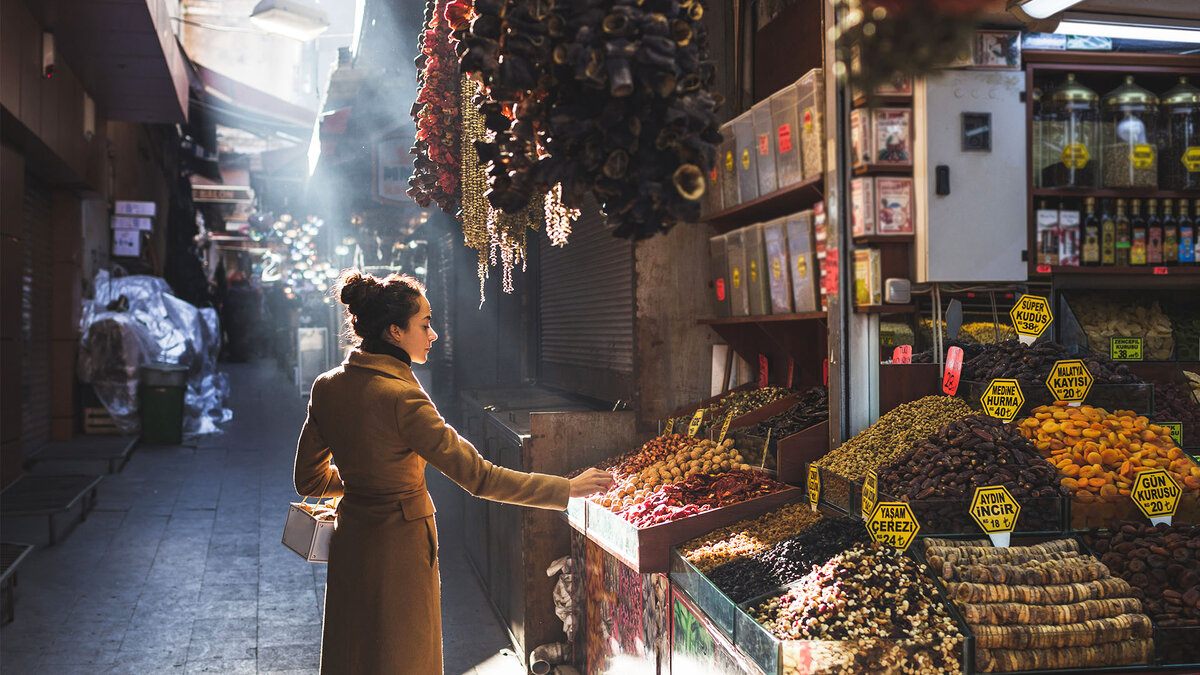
(1069, 149)
(1180, 168)
(1130, 132)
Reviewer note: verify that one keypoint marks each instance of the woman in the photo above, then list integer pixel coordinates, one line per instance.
(370, 431)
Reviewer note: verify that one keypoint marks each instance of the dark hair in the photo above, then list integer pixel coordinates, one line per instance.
(375, 303)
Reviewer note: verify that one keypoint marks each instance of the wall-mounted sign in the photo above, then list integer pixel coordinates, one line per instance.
(128, 208)
(222, 194)
(127, 243)
(132, 223)
(393, 166)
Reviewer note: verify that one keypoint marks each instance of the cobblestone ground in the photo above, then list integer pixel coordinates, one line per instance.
(180, 567)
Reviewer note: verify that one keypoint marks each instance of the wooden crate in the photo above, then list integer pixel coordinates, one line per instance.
(97, 421)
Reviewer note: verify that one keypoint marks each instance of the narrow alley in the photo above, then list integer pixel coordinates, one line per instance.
(180, 568)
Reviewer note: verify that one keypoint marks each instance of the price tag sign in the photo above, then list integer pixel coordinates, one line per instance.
(814, 486)
(1069, 381)
(1157, 494)
(697, 419)
(1030, 317)
(1003, 399)
(825, 372)
(791, 372)
(996, 512)
(902, 355)
(763, 369)
(1161, 271)
(725, 427)
(1044, 269)
(894, 524)
(1175, 429)
(870, 494)
(670, 427)
(1125, 348)
(887, 338)
(954, 359)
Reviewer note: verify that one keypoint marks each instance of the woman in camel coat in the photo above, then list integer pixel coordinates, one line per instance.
(371, 429)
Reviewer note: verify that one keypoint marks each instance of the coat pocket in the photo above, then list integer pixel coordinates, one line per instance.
(431, 529)
(417, 507)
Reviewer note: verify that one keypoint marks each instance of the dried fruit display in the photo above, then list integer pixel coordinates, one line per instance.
(1103, 317)
(939, 475)
(746, 578)
(1032, 364)
(437, 160)
(735, 403)
(892, 435)
(1193, 383)
(697, 494)
(666, 460)
(749, 537)
(875, 601)
(1048, 605)
(973, 332)
(1174, 402)
(812, 409)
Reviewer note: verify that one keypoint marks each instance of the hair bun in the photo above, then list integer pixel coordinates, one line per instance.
(360, 291)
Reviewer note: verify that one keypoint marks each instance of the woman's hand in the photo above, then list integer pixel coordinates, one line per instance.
(590, 482)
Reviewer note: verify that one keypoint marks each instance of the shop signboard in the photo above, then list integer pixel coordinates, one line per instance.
(996, 512)
(1157, 495)
(222, 194)
(894, 524)
(1030, 316)
(1002, 399)
(1070, 380)
(1125, 348)
(393, 166)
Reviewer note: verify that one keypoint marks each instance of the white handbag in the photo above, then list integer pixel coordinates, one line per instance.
(309, 527)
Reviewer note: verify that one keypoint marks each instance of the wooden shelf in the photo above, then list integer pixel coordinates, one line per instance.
(884, 239)
(860, 101)
(779, 203)
(885, 309)
(765, 318)
(1121, 193)
(1139, 271)
(872, 169)
(1072, 60)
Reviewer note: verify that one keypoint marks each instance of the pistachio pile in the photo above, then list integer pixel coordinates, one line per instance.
(893, 435)
(789, 559)
(1032, 364)
(939, 475)
(749, 537)
(880, 602)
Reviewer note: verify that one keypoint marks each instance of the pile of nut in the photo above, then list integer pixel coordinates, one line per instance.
(812, 409)
(1100, 453)
(877, 601)
(973, 332)
(788, 560)
(664, 460)
(940, 474)
(746, 538)
(697, 494)
(1043, 606)
(1032, 364)
(893, 435)
(1103, 318)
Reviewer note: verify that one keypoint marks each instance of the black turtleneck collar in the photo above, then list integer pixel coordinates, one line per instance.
(380, 346)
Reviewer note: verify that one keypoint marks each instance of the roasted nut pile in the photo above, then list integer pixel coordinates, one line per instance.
(746, 538)
(698, 494)
(1043, 606)
(975, 451)
(1032, 364)
(1100, 453)
(789, 559)
(877, 598)
(893, 435)
(1103, 318)
(812, 409)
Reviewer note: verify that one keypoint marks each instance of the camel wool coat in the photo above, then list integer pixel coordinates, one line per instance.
(374, 423)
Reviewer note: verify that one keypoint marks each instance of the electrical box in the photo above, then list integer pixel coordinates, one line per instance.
(969, 176)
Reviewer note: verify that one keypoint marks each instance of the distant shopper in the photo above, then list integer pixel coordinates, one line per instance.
(371, 429)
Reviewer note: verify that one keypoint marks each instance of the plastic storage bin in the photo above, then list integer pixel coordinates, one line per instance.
(756, 270)
(727, 165)
(803, 272)
(764, 143)
(719, 272)
(163, 386)
(785, 118)
(778, 269)
(810, 92)
(739, 283)
(747, 156)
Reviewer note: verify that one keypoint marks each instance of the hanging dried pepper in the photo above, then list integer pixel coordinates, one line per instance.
(437, 152)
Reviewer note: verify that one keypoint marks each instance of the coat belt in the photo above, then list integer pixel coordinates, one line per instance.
(413, 505)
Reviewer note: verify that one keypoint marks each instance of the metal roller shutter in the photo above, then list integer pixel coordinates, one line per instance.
(35, 315)
(586, 318)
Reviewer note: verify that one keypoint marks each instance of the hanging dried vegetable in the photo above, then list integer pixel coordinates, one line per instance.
(437, 160)
(602, 97)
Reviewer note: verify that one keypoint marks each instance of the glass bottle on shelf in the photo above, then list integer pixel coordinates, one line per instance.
(1181, 137)
(1108, 236)
(1069, 136)
(1130, 133)
(1123, 240)
(1187, 235)
(1170, 240)
(1154, 234)
(1047, 235)
(1137, 233)
(1040, 161)
(1091, 233)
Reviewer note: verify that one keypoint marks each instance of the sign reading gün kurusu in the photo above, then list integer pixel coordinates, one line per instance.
(1157, 494)
(1069, 380)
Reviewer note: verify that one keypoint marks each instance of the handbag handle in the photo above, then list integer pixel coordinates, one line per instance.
(325, 489)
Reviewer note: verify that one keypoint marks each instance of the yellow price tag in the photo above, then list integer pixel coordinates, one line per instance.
(894, 524)
(1175, 429)
(1069, 380)
(1031, 315)
(1142, 156)
(1191, 158)
(870, 494)
(814, 486)
(725, 427)
(697, 419)
(1157, 494)
(1075, 155)
(994, 508)
(1003, 399)
(670, 427)
(1125, 348)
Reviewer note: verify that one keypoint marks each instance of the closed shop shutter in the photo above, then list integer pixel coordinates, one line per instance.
(35, 315)
(586, 313)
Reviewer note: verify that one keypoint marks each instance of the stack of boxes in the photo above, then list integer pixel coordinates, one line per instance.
(767, 268)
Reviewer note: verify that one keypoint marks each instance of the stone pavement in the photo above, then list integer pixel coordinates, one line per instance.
(180, 568)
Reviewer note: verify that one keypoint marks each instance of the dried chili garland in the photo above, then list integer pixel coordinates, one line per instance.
(437, 151)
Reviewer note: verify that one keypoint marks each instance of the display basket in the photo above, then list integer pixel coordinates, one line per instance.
(811, 657)
(577, 513)
(707, 597)
(1136, 397)
(791, 454)
(945, 516)
(648, 549)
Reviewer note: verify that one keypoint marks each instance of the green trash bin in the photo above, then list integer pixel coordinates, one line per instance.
(163, 386)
